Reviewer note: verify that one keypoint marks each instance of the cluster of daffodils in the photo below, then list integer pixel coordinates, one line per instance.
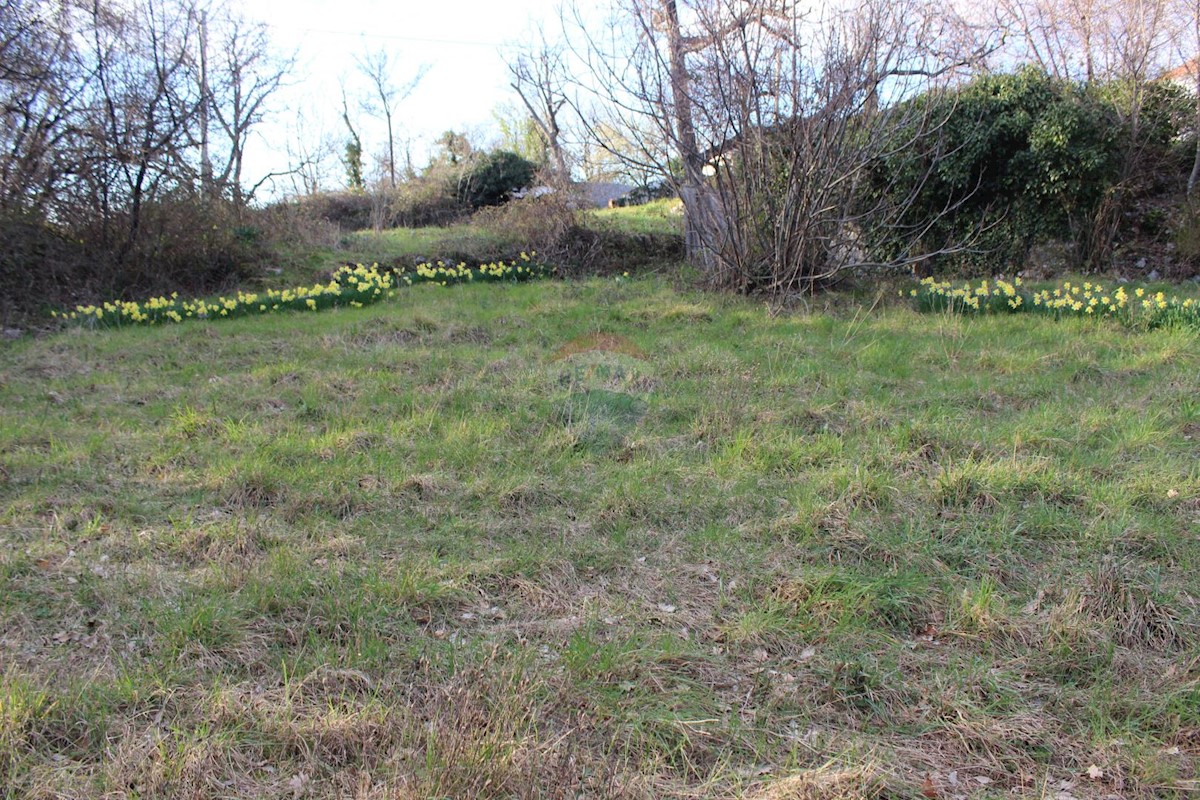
(522, 269)
(1136, 306)
(355, 286)
(987, 296)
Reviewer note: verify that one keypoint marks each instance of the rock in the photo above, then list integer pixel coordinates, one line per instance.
(1154, 274)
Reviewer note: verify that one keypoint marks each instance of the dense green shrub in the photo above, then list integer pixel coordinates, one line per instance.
(1025, 158)
(489, 179)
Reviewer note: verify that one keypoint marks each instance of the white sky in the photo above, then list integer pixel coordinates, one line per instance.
(461, 42)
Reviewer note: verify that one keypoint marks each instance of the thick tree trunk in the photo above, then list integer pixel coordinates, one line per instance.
(697, 229)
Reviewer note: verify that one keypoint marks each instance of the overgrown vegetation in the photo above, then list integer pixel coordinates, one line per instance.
(590, 241)
(604, 539)
(121, 161)
(356, 287)
(1024, 159)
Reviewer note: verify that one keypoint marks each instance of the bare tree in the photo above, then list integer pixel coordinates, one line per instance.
(538, 74)
(41, 79)
(379, 68)
(241, 75)
(1057, 35)
(310, 150)
(1191, 69)
(773, 121)
(145, 102)
(611, 154)
(1091, 40)
(124, 127)
(519, 134)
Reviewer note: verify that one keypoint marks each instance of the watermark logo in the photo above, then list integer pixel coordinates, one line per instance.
(606, 382)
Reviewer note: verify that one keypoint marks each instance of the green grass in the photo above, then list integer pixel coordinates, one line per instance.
(663, 217)
(431, 242)
(600, 539)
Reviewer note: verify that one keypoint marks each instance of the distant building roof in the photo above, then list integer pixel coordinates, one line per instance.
(1185, 74)
(532, 191)
(598, 194)
(591, 193)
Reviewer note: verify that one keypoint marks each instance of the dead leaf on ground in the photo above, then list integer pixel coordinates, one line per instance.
(298, 783)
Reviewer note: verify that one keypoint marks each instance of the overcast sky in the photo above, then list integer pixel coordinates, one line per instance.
(462, 42)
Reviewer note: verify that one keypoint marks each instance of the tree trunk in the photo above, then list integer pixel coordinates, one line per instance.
(1195, 176)
(206, 169)
(391, 150)
(696, 230)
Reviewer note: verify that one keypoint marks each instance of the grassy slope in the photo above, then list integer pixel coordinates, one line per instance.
(471, 242)
(448, 547)
(300, 263)
(663, 217)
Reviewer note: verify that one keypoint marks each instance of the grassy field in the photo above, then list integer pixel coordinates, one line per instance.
(602, 539)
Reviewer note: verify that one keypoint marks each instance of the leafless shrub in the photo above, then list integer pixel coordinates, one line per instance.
(123, 129)
(551, 225)
(779, 118)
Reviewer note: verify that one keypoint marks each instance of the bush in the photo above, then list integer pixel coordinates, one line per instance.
(181, 243)
(350, 211)
(1025, 159)
(429, 200)
(39, 265)
(1187, 237)
(189, 243)
(490, 179)
(443, 195)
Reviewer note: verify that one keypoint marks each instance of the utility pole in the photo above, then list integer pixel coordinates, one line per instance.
(206, 168)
